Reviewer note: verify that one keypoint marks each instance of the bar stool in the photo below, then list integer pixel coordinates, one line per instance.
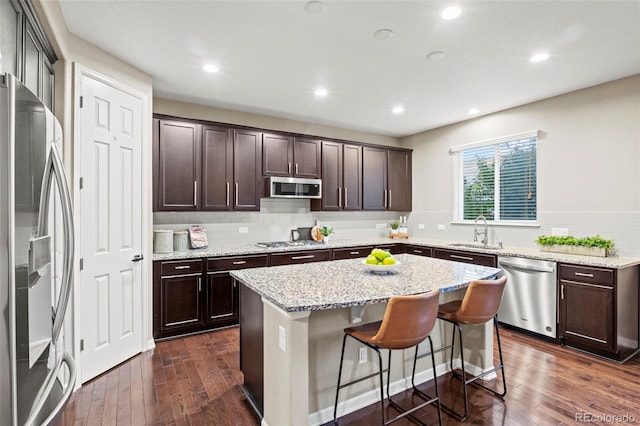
(407, 321)
(479, 305)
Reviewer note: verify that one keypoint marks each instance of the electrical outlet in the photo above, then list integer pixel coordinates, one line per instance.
(362, 355)
(421, 226)
(559, 232)
(282, 338)
(243, 230)
(441, 228)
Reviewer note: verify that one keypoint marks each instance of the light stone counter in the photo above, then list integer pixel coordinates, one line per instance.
(215, 250)
(347, 283)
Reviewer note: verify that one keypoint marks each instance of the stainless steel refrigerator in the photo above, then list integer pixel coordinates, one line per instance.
(37, 375)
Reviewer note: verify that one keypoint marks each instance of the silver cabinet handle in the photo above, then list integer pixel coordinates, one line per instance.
(296, 168)
(55, 168)
(289, 168)
(183, 267)
(562, 291)
(227, 194)
(417, 251)
(454, 256)
(385, 198)
(199, 284)
(346, 199)
(236, 194)
(240, 262)
(309, 256)
(582, 274)
(389, 205)
(354, 252)
(195, 193)
(340, 197)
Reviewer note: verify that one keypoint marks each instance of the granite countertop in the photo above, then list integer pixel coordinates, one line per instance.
(215, 250)
(346, 283)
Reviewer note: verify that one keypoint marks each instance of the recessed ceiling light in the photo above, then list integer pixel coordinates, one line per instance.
(211, 68)
(383, 34)
(315, 7)
(473, 111)
(436, 55)
(398, 109)
(451, 12)
(539, 57)
(321, 92)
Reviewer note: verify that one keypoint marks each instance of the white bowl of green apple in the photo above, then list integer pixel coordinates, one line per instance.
(380, 261)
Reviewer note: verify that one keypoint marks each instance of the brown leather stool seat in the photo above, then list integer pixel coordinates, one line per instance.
(407, 321)
(479, 305)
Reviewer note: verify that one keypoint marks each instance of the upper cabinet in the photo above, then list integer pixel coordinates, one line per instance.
(341, 177)
(386, 179)
(25, 49)
(205, 167)
(284, 155)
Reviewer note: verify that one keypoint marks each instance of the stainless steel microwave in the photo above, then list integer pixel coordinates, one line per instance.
(288, 187)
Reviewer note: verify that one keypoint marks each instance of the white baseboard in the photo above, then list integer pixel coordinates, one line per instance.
(151, 344)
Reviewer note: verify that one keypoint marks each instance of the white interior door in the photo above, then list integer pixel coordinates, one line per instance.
(110, 226)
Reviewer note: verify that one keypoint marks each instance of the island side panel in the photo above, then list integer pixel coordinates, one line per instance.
(251, 347)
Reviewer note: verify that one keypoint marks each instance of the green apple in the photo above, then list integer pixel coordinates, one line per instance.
(371, 260)
(389, 261)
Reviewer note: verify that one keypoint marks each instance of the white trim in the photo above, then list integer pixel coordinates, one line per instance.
(529, 134)
(146, 271)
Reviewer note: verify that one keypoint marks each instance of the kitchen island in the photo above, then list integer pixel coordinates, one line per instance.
(291, 322)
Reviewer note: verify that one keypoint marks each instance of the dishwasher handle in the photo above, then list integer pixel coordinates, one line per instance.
(524, 267)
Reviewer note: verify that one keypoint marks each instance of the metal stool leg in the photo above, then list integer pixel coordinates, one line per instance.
(335, 407)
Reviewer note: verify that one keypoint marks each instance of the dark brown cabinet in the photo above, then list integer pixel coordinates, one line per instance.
(284, 155)
(205, 167)
(418, 250)
(341, 177)
(352, 252)
(598, 309)
(306, 256)
(217, 168)
(178, 165)
(177, 300)
(466, 257)
(386, 179)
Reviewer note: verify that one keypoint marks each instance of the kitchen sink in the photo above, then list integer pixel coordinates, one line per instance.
(476, 245)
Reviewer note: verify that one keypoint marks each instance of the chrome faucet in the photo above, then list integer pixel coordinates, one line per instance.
(484, 232)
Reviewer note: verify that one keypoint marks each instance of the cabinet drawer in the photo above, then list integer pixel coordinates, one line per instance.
(466, 257)
(237, 262)
(180, 267)
(300, 257)
(418, 250)
(351, 253)
(586, 274)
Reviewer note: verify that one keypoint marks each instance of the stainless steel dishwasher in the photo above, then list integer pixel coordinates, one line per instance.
(529, 300)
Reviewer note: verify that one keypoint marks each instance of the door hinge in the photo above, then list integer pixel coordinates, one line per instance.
(81, 101)
(81, 345)
(81, 264)
(81, 183)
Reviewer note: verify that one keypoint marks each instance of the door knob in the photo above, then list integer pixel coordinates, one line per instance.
(137, 258)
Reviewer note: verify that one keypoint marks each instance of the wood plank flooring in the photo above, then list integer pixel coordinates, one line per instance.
(195, 381)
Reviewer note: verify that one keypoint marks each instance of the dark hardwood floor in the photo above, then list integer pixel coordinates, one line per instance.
(195, 381)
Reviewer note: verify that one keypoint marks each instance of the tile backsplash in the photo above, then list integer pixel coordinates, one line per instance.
(277, 217)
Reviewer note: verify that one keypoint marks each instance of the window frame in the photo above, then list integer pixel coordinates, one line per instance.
(458, 179)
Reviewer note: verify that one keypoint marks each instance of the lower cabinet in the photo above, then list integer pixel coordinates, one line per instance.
(418, 250)
(598, 309)
(352, 252)
(466, 257)
(307, 256)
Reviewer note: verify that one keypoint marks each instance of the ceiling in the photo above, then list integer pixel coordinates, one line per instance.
(273, 55)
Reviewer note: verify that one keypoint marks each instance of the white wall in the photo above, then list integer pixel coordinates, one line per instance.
(588, 166)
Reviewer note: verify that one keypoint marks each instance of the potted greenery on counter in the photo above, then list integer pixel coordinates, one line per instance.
(587, 246)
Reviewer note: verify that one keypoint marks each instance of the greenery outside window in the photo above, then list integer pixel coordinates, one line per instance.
(497, 179)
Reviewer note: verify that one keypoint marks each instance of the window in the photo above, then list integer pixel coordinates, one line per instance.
(497, 179)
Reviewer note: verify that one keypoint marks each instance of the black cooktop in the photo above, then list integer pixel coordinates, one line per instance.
(298, 243)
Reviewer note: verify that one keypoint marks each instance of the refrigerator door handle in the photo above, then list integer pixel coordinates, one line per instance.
(46, 388)
(54, 168)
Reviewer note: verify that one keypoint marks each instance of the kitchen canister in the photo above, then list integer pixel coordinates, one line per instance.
(180, 240)
(162, 241)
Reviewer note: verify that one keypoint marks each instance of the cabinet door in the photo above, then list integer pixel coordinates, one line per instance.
(246, 169)
(306, 158)
(180, 302)
(418, 250)
(399, 180)
(217, 168)
(178, 145)
(222, 299)
(374, 178)
(31, 61)
(9, 40)
(466, 257)
(586, 314)
(352, 177)
(277, 155)
(319, 255)
(331, 176)
(352, 252)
